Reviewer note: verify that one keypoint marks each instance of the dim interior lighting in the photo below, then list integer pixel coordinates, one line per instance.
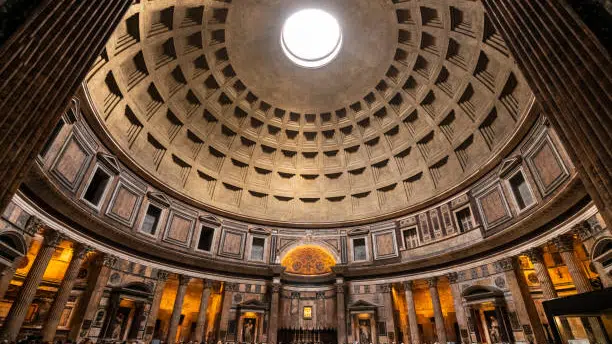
(311, 38)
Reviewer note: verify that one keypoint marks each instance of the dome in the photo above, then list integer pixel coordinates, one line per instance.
(420, 100)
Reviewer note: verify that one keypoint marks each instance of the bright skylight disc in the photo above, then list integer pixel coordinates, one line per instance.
(311, 38)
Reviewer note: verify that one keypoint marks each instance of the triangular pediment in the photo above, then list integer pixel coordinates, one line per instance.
(253, 304)
(362, 305)
(508, 165)
(358, 231)
(160, 198)
(110, 161)
(210, 219)
(259, 230)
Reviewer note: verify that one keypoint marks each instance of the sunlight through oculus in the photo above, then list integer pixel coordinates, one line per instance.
(311, 38)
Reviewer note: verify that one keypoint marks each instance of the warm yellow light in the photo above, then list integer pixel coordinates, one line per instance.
(307, 312)
(308, 260)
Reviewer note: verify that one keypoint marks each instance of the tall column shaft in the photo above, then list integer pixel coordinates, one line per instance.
(569, 72)
(565, 246)
(63, 293)
(201, 320)
(458, 305)
(26, 294)
(537, 259)
(41, 66)
(274, 304)
(415, 336)
(177, 309)
(162, 277)
(6, 275)
(90, 299)
(437, 308)
(341, 310)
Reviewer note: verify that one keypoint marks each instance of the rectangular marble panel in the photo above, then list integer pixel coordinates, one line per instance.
(72, 162)
(179, 228)
(124, 203)
(385, 245)
(493, 207)
(546, 165)
(232, 243)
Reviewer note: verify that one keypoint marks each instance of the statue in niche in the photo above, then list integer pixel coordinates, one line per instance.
(494, 330)
(364, 331)
(116, 332)
(249, 327)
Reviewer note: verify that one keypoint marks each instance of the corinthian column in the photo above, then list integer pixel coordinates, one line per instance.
(565, 245)
(273, 328)
(415, 336)
(437, 307)
(201, 320)
(537, 259)
(177, 309)
(26, 294)
(90, 299)
(162, 277)
(340, 310)
(59, 303)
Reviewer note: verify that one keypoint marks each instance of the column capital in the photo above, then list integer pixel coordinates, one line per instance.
(109, 260)
(208, 284)
(276, 288)
(385, 288)
(505, 264)
(340, 288)
(408, 285)
(81, 250)
(184, 279)
(453, 277)
(583, 230)
(162, 275)
(535, 254)
(52, 238)
(564, 243)
(33, 225)
(432, 281)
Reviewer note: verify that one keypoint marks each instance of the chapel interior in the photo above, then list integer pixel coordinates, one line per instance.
(305, 171)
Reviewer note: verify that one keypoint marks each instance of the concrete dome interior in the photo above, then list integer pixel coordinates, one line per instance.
(305, 171)
(422, 99)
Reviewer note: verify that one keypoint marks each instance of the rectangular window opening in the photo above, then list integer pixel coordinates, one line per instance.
(464, 219)
(410, 238)
(521, 191)
(97, 186)
(257, 249)
(151, 220)
(359, 249)
(206, 238)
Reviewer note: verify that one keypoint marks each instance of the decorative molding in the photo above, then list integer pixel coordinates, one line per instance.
(109, 161)
(160, 198)
(508, 165)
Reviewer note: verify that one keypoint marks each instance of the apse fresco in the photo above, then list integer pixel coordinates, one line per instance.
(308, 260)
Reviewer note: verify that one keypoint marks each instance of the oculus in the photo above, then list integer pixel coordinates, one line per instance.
(311, 38)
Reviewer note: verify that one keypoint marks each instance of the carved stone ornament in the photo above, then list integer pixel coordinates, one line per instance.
(453, 277)
(80, 250)
(505, 264)
(109, 261)
(408, 285)
(162, 275)
(33, 225)
(340, 288)
(184, 279)
(276, 288)
(535, 254)
(52, 238)
(500, 282)
(432, 282)
(564, 243)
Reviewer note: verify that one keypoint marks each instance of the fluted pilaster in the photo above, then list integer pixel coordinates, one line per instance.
(341, 310)
(537, 259)
(415, 336)
(178, 308)
(26, 294)
(59, 303)
(274, 304)
(162, 277)
(437, 307)
(201, 320)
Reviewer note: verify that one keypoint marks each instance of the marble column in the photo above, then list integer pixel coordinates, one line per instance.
(27, 292)
(415, 336)
(201, 320)
(89, 301)
(162, 277)
(458, 305)
(568, 70)
(565, 245)
(387, 290)
(437, 307)
(59, 303)
(536, 256)
(177, 309)
(537, 259)
(274, 310)
(33, 225)
(341, 311)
